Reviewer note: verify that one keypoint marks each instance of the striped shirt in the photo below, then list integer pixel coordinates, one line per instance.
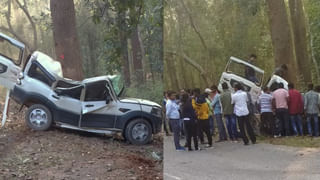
(265, 101)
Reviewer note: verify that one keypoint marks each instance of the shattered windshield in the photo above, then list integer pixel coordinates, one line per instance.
(117, 83)
(10, 51)
(245, 71)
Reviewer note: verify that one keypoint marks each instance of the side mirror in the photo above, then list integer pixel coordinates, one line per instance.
(21, 76)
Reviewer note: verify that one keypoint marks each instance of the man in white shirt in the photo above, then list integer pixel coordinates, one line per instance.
(172, 113)
(240, 99)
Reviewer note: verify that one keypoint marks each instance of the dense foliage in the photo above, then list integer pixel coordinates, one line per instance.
(208, 33)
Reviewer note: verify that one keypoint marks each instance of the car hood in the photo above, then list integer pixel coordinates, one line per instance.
(139, 101)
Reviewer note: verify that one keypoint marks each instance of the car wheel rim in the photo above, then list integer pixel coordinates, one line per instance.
(38, 117)
(140, 132)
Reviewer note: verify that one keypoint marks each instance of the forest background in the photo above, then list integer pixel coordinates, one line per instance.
(200, 37)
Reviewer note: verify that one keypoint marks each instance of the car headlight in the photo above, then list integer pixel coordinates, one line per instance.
(156, 111)
(3, 68)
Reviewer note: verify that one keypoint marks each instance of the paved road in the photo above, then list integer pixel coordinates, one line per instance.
(230, 160)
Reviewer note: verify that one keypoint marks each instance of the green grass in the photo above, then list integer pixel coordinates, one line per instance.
(299, 141)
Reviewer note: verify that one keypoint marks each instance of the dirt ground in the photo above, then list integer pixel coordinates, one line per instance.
(65, 154)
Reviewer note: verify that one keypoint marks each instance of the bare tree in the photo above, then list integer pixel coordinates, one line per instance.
(10, 29)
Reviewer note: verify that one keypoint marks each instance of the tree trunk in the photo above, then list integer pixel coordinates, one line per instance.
(65, 38)
(171, 69)
(193, 63)
(281, 38)
(300, 39)
(137, 56)
(124, 47)
(92, 66)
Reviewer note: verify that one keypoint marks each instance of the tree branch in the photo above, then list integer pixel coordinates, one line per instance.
(194, 26)
(193, 63)
(26, 12)
(10, 29)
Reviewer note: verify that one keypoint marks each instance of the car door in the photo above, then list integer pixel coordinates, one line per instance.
(67, 109)
(98, 106)
(67, 102)
(11, 53)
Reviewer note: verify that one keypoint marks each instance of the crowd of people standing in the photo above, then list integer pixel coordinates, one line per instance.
(195, 114)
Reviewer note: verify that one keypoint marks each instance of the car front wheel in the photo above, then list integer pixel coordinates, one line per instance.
(38, 117)
(139, 132)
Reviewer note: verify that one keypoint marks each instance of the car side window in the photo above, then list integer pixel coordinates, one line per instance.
(96, 91)
(37, 73)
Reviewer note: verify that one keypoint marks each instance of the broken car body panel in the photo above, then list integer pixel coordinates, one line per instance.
(250, 76)
(239, 71)
(91, 105)
(82, 103)
(11, 56)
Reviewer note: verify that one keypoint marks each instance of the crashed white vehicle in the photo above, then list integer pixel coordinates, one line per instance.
(250, 76)
(92, 105)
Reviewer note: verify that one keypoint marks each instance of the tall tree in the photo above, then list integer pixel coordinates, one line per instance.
(137, 55)
(122, 25)
(281, 37)
(300, 38)
(65, 38)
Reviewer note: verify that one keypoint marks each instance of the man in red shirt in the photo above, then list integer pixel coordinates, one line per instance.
(295, 109)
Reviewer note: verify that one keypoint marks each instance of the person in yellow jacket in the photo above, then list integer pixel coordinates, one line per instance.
(202, 109)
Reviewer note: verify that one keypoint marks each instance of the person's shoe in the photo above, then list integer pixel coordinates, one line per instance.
(208, 146)
(246, 144)
(277, 136)
(198, 149)
(190, 149)
(255, 142)
(180, 149)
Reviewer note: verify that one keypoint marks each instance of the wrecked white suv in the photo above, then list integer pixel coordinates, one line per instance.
(250, 76)
(92, 105)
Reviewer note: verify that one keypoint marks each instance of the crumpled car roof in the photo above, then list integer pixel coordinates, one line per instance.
(51, 65)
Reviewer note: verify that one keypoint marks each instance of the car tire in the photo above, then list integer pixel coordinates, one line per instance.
(38, 117)
(138, 132)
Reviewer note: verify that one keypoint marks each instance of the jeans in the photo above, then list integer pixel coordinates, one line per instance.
(282, 122)
(211, 124)
(175, 124)
(231, 123)
(296, 123)
(315, 124)
(244, 121)
(204, 126)
(221, 128)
